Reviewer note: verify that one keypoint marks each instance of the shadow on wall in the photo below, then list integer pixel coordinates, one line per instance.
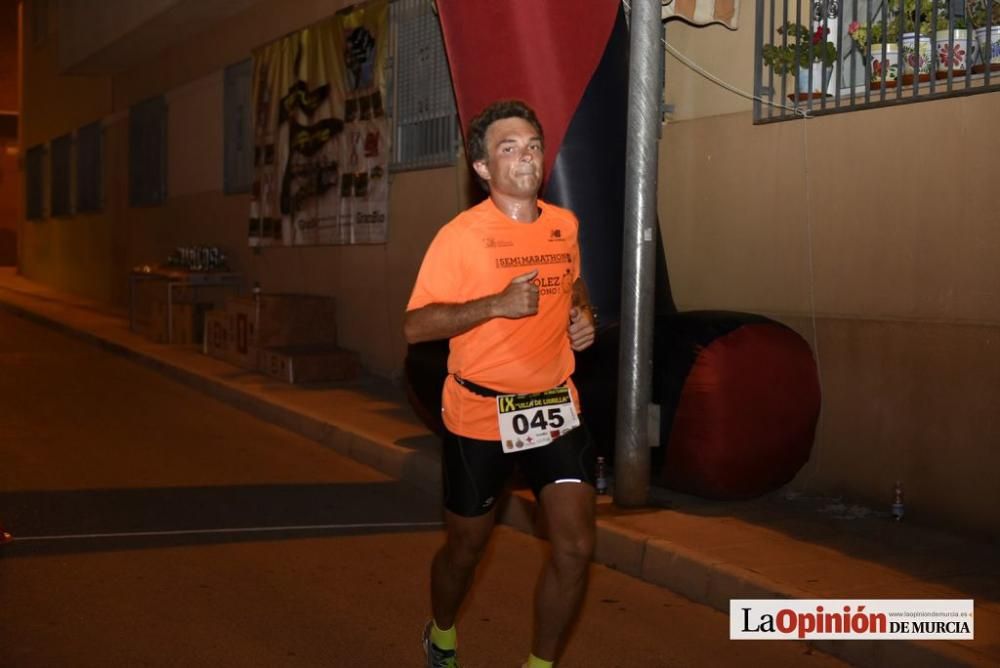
(8, 248)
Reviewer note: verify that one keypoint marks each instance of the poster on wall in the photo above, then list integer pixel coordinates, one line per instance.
(321, 134)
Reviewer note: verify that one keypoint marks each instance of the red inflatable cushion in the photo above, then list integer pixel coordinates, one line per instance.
(747, 415)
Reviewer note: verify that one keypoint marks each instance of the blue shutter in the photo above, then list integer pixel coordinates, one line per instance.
(59, 194)
(238, 162)
(34, 162)
(147, 152)
(89, 168)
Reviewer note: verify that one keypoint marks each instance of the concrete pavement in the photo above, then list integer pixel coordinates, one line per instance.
(707, 551)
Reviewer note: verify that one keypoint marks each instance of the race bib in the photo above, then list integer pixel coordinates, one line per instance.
(533, 420)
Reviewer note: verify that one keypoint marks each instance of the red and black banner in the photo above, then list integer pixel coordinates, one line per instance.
(568, 59)
(739, 393)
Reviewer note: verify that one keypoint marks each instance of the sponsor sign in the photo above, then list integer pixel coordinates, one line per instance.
(321, 133)
(850, 619)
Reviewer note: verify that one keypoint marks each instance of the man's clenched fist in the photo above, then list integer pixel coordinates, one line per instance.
(581, 328)
(519, 298)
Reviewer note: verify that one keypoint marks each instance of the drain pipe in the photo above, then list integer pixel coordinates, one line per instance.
(635, 354)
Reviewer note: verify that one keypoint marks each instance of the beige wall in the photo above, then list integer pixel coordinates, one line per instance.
(711, 49)
(871, 233)
(123, 32)
(56, 104)
(914, 401)
(107, 22)
(881, 251)
(71, 252)
(874, 235)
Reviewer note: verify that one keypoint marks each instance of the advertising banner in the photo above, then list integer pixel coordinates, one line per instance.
(321, 134)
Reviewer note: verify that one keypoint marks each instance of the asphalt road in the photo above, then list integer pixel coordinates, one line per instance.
(155, 526)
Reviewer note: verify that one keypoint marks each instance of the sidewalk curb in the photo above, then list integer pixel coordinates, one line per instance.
(661, 562)
(712, 582)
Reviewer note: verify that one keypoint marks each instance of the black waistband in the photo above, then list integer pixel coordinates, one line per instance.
(477, 389)
(485, 391)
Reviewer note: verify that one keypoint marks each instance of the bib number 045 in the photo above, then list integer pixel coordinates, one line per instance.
(532, 420)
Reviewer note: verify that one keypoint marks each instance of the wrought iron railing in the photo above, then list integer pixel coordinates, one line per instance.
(827, 56)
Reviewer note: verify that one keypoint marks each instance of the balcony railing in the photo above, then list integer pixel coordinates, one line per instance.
(829, 56)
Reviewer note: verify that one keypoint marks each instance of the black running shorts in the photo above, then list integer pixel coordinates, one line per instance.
(474, 472)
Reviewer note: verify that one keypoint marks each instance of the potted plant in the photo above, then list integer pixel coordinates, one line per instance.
(805, 53)
(954, 49)
(984, 15)
(883, 58)
(983, 12)
(908, 26)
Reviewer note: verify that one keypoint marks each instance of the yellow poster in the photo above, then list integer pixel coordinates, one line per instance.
(321, 134)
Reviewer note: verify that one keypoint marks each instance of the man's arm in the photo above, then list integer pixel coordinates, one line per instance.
(443, 321)
(581, 297)
(581, 318)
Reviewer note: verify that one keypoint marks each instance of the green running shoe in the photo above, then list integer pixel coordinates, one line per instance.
(437, 657)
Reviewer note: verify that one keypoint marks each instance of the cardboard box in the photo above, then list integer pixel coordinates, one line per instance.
(242, 336)
(276, 320)
(309, 363)
(225, 339)
(148, 312)
(187, 322)
(215, 341)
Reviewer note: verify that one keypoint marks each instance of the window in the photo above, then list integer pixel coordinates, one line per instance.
(828, 56)
(147, 152)
(39, 22)
(426, 126)
(34, 167)
(59, 193)
(8, 126)
(238, 150)
(89, 168)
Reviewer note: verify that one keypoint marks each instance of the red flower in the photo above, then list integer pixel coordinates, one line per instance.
(820, 34)
(951, 54)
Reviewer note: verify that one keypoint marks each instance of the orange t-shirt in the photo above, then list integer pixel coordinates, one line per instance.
(476, 255)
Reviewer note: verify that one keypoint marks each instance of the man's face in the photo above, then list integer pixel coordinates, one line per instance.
(514, 158)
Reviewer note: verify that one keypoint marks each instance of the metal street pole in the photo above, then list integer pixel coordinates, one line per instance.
(635, 354)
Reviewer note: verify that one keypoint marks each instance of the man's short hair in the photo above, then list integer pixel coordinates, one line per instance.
(475, 137)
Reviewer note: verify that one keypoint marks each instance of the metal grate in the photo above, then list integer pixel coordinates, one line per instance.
(426, 126)
(59, 194)
(238, 143)
(39, 11)
(34, 186)
(147, 152)
(8, 126)
(885, 52)
(89, 168)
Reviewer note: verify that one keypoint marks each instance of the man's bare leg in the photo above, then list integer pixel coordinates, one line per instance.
(569, 514)
(455, 563)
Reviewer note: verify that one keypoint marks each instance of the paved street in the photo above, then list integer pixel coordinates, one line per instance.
(158, 527)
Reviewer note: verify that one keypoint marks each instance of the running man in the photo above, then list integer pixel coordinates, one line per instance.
(502, 282)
